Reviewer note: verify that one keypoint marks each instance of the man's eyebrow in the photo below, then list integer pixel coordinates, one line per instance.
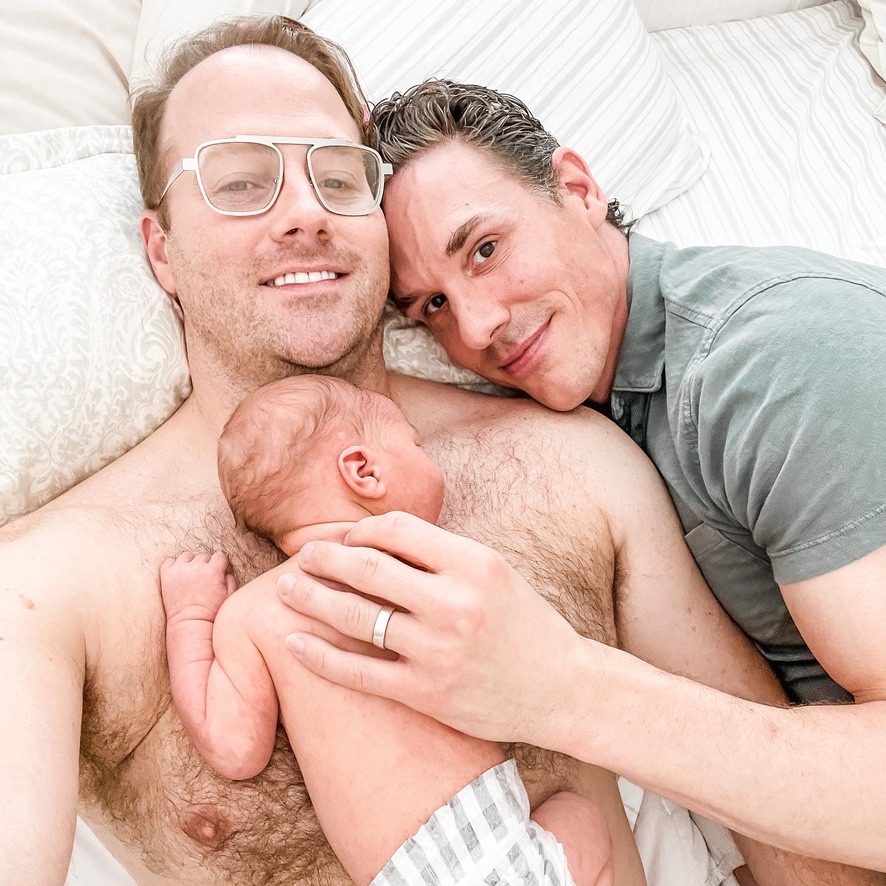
(405, 302)
(462, 232)
(455, 242)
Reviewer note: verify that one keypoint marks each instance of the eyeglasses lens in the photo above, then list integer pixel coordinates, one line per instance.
(346, 178)
(239, 176)
(243, 176)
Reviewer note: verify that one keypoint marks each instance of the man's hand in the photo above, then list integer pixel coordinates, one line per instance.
(478, 648)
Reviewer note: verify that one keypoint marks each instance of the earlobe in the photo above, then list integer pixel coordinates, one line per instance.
(576, 179)
(154, 238)
(359, 469)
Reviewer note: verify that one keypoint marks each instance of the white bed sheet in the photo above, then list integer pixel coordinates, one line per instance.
(792, 111)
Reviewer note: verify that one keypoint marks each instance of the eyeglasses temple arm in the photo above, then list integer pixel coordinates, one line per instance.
(188, 163)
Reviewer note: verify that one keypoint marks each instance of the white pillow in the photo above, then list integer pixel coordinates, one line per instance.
(873, 38)
(91, 355)
(65, 62)
(165, 20)
(588, 70)
(658, 16)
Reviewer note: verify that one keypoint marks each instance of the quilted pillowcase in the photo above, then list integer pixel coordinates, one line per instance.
(91, 356)
(586, 68)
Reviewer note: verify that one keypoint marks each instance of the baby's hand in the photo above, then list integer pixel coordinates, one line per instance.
(194, 586)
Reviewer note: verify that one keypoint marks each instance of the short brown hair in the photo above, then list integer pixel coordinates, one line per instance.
(149, 101)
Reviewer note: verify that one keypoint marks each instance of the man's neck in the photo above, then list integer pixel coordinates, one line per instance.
(217, 391)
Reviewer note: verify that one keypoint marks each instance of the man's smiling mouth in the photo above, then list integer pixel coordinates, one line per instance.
(302, 277)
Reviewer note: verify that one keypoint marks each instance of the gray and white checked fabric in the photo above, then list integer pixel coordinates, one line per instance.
(483, 835)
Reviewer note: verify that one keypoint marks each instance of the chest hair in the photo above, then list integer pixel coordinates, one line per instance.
(517, 496)
(160, 797)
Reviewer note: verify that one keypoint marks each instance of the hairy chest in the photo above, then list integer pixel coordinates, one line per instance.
(141, 775)
(141, 778)
(524, 499)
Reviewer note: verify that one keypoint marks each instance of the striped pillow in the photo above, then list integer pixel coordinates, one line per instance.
(794, 117)
(587, 68)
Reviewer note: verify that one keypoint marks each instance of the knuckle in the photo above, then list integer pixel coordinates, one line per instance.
(369, 563)
(354, 615)
(359, 680)
(468, 617)
(399, 521)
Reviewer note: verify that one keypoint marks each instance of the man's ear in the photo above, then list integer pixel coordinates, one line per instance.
(359, 469)
(154, 238)
(576, 179)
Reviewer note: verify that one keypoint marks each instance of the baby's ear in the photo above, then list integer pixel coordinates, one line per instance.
(359, 468)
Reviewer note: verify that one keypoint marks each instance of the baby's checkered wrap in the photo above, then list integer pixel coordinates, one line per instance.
(483, 835)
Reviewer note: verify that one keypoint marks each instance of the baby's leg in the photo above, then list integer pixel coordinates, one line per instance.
(505, 846)
(581, 830)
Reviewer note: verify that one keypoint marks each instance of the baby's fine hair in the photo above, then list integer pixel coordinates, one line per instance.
(269, 438)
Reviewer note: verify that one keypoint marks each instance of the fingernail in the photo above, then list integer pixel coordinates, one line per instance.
(286, 582)
(295, 643)
(305, 554)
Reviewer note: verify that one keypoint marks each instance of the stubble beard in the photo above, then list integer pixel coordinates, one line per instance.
(249, 348)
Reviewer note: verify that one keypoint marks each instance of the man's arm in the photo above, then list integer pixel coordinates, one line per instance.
(481, 651)
(668, 617)
(42, 670)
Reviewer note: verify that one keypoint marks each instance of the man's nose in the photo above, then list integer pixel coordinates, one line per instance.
(481, 317)
(297, 209)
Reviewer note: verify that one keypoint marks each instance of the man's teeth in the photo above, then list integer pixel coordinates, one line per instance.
(303, 277)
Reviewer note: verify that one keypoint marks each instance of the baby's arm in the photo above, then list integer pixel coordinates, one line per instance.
(220, 684)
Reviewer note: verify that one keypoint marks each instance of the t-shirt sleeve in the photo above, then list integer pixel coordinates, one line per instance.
(789, 407)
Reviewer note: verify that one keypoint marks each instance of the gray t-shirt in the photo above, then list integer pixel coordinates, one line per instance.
(756, 381)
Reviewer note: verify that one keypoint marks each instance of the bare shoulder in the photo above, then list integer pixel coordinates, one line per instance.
(581, 438)
(579, 462)
(34, 548)
(93, 550)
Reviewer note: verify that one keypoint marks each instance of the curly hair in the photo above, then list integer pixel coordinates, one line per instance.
(149, 101)
(436, 111)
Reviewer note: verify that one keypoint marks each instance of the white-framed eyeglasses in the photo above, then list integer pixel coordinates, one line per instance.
(243, 175)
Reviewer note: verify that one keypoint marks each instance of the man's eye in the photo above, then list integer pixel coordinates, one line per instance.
(234, 185)
(238, 186)
(434, 303)
(484, 252)
(338, 183)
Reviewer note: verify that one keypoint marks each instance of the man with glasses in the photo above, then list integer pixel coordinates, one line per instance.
(272, 245)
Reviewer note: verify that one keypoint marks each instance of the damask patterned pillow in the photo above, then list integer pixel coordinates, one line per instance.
(91, 352)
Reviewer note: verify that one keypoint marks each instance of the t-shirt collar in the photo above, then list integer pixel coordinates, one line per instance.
(641, 358)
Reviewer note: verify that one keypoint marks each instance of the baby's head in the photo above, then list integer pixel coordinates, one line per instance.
(313, 449)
